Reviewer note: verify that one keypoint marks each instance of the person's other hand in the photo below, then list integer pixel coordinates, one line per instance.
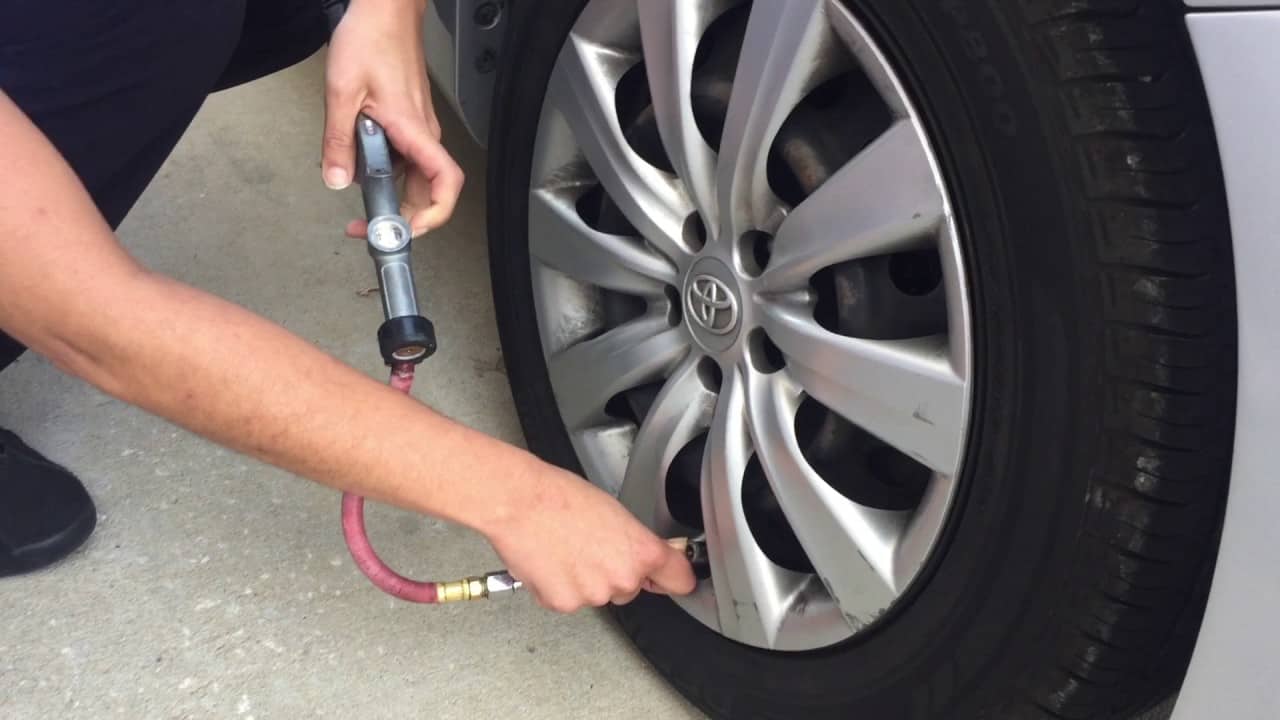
(377, 66)
(574, 546)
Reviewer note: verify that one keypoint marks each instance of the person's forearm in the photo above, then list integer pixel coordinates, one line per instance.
(250, 385)
(68, 290)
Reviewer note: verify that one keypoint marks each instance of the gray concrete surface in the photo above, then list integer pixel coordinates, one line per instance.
(216, 587)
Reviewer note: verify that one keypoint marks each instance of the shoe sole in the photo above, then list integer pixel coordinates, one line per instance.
(53, 550)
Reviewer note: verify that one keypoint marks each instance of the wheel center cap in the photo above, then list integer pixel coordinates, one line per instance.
(712, 304)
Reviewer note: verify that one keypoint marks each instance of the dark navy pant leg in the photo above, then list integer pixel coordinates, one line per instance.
(114, 84)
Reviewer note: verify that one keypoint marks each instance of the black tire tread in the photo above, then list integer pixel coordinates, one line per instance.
(1140, 129)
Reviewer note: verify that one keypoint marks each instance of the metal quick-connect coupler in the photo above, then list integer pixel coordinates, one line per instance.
(493, 585)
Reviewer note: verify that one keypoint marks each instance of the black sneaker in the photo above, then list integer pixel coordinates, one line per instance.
(45, 513)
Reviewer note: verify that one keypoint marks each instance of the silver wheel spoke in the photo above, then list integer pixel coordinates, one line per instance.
(753, 594)
(870, 59)
(680, 412)
(785, 41)
(670, 30)
(851, 546)
(884, 200)
(921, 531)
(904, 392)
(582, 88)
(561, 239)
(587, 375)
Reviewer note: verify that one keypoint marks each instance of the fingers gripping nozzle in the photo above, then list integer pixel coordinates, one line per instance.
(695, 551)
(406, 336)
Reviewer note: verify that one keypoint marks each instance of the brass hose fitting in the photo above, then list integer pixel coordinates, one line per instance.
(496, 584)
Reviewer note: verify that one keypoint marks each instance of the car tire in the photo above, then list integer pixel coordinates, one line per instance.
(1072, 572)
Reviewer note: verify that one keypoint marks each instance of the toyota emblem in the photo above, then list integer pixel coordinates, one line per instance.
(712, 305)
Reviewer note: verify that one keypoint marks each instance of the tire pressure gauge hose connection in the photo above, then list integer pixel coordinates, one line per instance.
(405, 339)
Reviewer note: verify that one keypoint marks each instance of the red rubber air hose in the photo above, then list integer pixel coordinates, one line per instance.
(386, 579)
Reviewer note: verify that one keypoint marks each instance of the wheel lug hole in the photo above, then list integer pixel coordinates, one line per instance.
(754, 251)
(695, 233)
(916, 273)
(710, 374)
(764, 354)
(675, 309)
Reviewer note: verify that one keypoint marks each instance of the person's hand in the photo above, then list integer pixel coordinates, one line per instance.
(376, 65)
(574, 546)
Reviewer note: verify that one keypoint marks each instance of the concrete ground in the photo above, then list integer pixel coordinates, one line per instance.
(216, 587)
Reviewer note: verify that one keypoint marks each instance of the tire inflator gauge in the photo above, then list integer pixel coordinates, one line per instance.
(406, 339)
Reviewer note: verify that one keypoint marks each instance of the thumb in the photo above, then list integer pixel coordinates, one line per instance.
(338, 145)
(675, 577)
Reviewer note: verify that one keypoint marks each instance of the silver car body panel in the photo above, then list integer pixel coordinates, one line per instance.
(441, 52)
(1235, 670)
(463, 40)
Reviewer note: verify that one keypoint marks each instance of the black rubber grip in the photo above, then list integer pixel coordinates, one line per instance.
(410, 339)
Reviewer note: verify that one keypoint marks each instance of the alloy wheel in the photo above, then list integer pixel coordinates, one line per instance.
(752, 302)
